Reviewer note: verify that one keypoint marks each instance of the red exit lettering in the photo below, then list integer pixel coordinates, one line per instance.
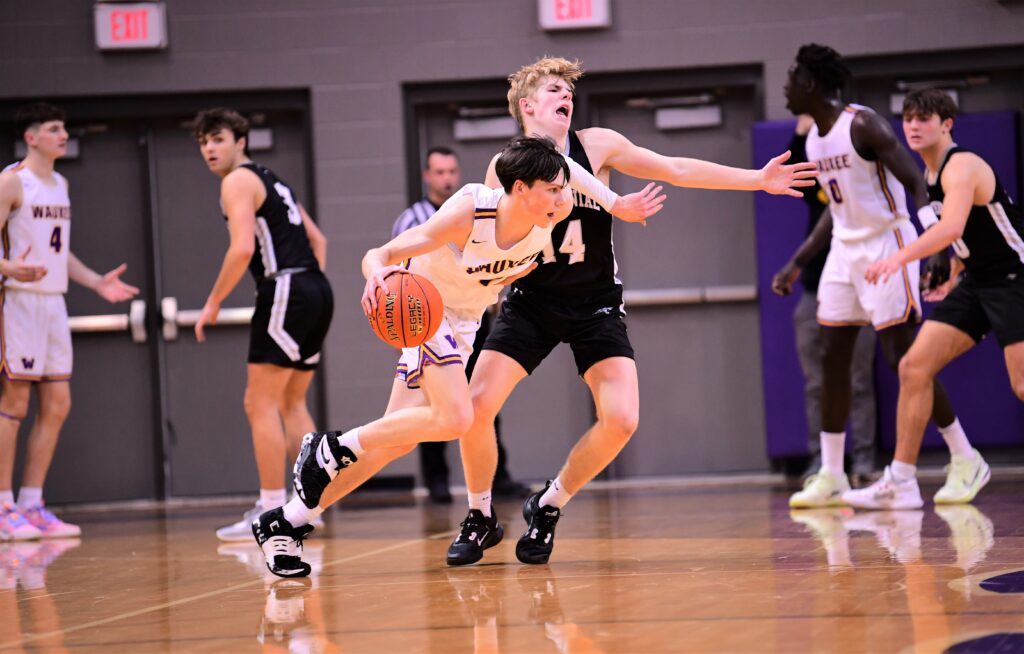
(129, 25)
(573, 9)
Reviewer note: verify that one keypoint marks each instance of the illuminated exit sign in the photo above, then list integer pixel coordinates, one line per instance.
(574, 14)
(130, 25)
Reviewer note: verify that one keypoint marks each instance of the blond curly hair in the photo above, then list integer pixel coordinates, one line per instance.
(525, 81)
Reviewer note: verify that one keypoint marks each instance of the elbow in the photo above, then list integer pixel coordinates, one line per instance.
(242, 252)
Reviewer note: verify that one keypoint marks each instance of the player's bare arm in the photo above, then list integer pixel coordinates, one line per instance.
(241, 193)
(317, 240)
(816, 241)
(875, 140)
(108, 285)
(10, 200)
(960, 182)
(633, 208)
(453, 223)
(610, 149)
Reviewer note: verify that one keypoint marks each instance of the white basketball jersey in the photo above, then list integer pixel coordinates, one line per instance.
(464, 275)
(865, 198)
(43, 222)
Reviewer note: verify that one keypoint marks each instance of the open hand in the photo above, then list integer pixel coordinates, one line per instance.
(23, 271)
(637, 207)
(780, 179)
(112, 289)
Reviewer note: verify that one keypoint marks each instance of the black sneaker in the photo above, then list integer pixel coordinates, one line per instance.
(478, 534)
(538, 540)
(320, 459)
(281, 543)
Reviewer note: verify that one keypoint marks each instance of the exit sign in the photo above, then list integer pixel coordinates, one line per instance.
(574, 14)
(130, 25)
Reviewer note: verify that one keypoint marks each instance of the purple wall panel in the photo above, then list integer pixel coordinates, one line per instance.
(977, 383)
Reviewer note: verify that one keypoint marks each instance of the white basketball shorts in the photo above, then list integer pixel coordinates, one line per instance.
(846, 298)
(452, 344)
(36, 338)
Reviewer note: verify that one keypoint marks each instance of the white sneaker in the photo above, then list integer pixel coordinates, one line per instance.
(887, 493)
(820, 490)
(241, 530)
(899, 532)
(965, 477)
(970, 532)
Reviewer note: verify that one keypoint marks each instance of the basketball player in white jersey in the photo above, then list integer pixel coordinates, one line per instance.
(478, 241)
(35, 213)
(986, 229)
(864, 169)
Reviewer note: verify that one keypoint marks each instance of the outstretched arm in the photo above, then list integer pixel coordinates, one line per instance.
(816, 241)
(108, 286)
(635, 207)
(635, 161)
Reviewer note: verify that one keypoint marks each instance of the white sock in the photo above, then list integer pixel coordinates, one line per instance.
(350, 439)
(481, 501)
(296, 513)
(7, 497)
(902, 471)
(29, 498)
(832, 446)
(956, 440)
(271, 499)
(555, 495)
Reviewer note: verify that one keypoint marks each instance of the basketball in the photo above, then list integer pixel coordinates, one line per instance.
(409, 313)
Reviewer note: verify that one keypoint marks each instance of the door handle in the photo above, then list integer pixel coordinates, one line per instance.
(173, 318)
(134, 321)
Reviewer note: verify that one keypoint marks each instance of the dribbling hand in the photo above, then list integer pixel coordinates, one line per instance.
(638, 207)
(373, 282)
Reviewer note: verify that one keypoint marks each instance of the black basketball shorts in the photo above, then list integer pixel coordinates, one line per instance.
(529, 327)
(293, 313)
(976, 309)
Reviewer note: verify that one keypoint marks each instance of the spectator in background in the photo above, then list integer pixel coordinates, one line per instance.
(441, 176)
(809, 341)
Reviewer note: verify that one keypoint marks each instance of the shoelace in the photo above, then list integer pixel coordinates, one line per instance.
(472, 522)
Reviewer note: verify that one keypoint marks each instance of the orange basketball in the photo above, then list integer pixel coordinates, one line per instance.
(409, 313)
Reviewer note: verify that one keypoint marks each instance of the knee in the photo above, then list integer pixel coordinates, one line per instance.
(620, 425)
(56, 407)
(14, 403)
(913, 372)
(453, 421)
(290, 405)
(254, 402)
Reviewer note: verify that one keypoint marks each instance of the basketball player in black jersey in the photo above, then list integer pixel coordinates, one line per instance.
(978, 218)
(574, 296)
(272, 234)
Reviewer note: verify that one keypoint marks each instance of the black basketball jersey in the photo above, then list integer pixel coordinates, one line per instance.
(579, 265)
(281, 241)
(992, 245)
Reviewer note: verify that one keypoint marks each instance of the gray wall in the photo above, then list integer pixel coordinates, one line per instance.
(354, 56)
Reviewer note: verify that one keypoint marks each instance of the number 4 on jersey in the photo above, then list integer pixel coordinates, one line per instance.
(572, 244)
(55, 241)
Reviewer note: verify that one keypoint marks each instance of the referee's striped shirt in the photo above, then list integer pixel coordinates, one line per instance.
(415, 215)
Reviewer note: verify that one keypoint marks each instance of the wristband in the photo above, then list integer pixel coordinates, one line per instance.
(927, 217)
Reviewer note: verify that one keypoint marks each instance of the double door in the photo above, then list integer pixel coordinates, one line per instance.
(156, 414)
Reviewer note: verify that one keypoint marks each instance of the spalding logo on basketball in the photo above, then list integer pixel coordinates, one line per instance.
(409, 313)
